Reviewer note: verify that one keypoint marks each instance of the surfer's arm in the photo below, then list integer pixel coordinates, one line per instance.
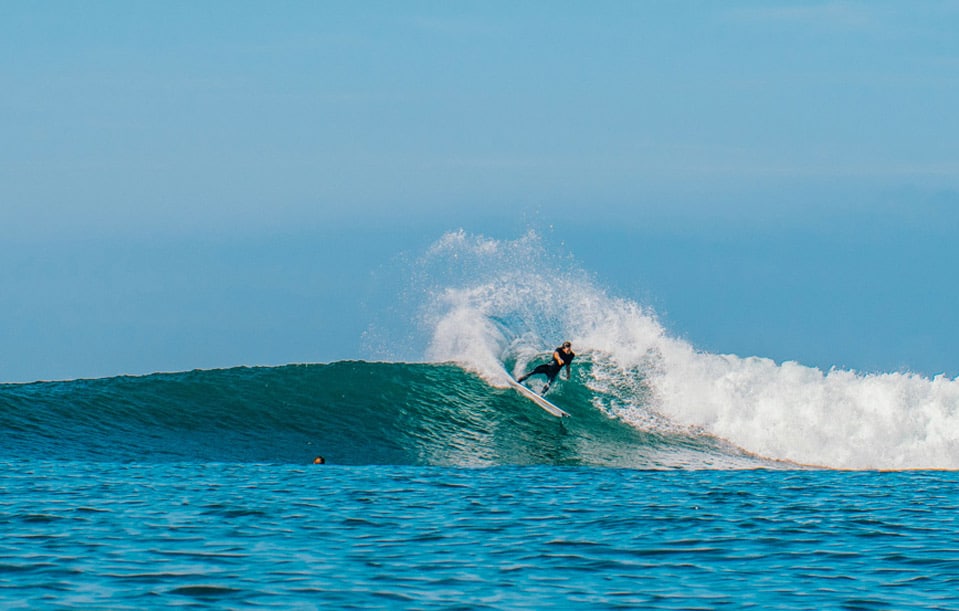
(558, 358)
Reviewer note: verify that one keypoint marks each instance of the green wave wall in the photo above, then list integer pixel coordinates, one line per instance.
(352, 413)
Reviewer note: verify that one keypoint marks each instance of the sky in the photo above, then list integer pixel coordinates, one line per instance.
(196, 185)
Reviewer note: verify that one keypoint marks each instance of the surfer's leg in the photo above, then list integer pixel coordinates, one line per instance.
(541, 370)
(549, 380)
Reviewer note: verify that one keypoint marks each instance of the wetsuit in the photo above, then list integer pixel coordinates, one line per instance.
(552, 368)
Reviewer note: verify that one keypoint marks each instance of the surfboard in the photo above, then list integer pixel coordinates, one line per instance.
(537, 399)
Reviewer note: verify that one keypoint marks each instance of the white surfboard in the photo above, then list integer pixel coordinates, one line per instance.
(537, 399)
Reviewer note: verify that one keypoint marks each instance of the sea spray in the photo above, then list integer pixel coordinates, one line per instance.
(499, 304)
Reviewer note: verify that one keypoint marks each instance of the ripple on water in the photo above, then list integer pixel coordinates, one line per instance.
(523, 538)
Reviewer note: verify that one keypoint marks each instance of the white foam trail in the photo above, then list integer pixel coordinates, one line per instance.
(490, 310)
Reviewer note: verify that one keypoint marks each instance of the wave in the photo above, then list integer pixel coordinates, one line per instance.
(471, 310)
(353, 413)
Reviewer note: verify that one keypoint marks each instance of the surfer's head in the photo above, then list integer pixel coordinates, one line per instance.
(567, 345)
(319, 460)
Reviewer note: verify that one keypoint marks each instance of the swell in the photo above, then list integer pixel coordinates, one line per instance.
(350, 412)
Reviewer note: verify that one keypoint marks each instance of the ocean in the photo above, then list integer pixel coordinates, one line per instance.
(682, 480)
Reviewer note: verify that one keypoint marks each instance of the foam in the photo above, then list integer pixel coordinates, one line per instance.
(490, 309)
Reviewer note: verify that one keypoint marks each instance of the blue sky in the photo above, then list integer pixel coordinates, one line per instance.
(208, 184)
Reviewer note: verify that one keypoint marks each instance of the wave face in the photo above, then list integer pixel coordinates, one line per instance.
(349, 412)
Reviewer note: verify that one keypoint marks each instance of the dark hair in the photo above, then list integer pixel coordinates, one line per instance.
(566, 344)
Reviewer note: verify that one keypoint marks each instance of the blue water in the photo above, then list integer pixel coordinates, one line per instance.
(681, 480)
(254, 536)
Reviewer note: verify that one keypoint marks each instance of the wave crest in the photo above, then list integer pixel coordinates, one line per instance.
(492, 308)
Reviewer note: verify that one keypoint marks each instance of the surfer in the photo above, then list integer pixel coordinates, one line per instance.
(562, 357)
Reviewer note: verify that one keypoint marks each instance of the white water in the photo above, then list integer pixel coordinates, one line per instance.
(487, 308)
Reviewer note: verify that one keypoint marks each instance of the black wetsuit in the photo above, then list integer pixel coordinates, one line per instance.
(552, 368)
